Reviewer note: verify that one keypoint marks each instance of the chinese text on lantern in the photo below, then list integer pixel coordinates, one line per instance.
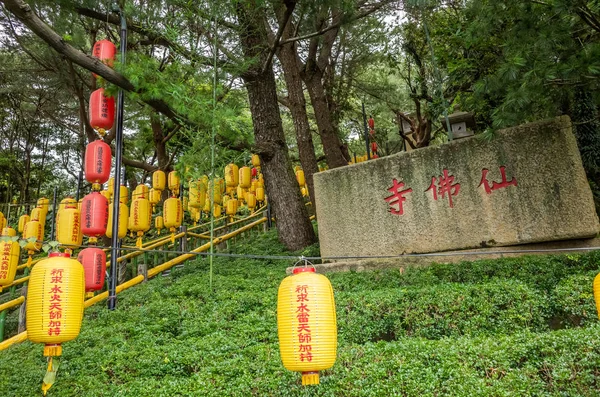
(303, 314)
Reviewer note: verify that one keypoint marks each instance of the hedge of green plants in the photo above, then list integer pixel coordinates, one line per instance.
(490, 328)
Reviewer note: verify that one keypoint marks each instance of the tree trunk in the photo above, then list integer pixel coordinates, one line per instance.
(158, 137)
(297, 106)
(332, 145)
(295, 229)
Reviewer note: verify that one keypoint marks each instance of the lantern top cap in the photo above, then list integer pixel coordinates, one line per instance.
(59, 254)
(306, 269)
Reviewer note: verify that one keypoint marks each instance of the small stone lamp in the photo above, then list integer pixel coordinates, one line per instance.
(461, 123)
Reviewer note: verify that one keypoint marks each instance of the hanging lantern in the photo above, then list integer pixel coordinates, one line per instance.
(159, 224)
(123, 194)
(105, 51)
(306, 323)
(97, 163)
(94, 215)
(140, 191)
(371, 123)
(251, 201)
(231, 207)
(68, 202)
(197, 194)
(154, 198)
(596, 290)
(304, 191)
(55, 304)
(206, 207)
(8, 232)
(172, 215)
(374, 147)
(33, 230)
(217, 197)
(255, 160)
(260, 194)
(300, 178)
(79, 204)
(240, 193)
(44, 204)
(140, 218)
(245, 178)
(93, 260)
(123, 220)
(36, 215)
(23, 219)
(159, 180)
(106, 194)
(254, 172)
(111, 187)
(68, 228)
(174, 183)
(253, 187)
(10, 252)
(186, 204)
(217, 211)
(102, 111)
(195, 215)
(231, 175)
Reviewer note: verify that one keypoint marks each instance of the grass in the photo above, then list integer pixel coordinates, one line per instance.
(510, 327)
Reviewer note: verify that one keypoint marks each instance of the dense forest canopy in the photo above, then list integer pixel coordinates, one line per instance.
(290, 83)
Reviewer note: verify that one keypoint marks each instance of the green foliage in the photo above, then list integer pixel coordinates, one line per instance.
(479, 328)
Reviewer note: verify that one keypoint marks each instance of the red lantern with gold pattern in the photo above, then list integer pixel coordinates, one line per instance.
(94, 263)
(102, 111)
(94, 213)
(97, 163)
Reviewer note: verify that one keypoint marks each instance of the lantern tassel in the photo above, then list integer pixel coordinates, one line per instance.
(138, 242)
(50, 376)
(29, 260)
(173, 238)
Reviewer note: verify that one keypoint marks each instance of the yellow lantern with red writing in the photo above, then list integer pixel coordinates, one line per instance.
(260, 194)
(255, 161)
(10, 252)
(55, 302)
(306, 323)
(68, 228)
(197, 194)
(174, 182)
(44, 204)
(23, 219)
(140, 218)
(245, 177)
(251, 201)
(206, 207)
(154, 197)
(123, 194)
(159, 224)
(36, 215)
(140, 191)
(597, 293)
(159, 180)
(172, 215)
(231, 207)
(232, 175)
(123, 220)
(217, 210)
(33, 235)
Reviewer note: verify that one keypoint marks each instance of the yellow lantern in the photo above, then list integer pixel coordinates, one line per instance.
(111, 186)
(217, 191)
(22, 222)
(159, 180)
(55, 302)
(159, 224)
(306, 324)
(231, 207)
(255, 161)
(597, 293)
(240, 194)
(260, 194)
(251, 201)
(44, 204)
(300, 178)
(172, 215)
(123, 220)
(197, 194)
(36, 215)
(245, 177)
(79, 204)
(154, 197)
(140, 218)
(206, 207)
(106, 194)
(140, 191)
(174, 182)
(123, 194)
(226, 198)
(217, 210)
(253, 187)
(231, 175)
(68, 228)
(33, 229)
(261, 180)
(195, 215)
(304, 191)
(10, 252)
(230, 191)
(3, 219)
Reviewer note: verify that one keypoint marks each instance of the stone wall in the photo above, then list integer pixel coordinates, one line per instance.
(527, 185)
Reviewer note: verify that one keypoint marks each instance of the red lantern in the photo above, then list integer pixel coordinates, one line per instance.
(105, 51)
(102, 111)
(254, 172)
(94, 211)
(94, 263)
(97, 163)
(375, 156)
(371, 123)
(374, 147)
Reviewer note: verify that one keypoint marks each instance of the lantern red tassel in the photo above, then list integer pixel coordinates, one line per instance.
(94, 263)
(102, 111)
(94, 210)
(97, 163)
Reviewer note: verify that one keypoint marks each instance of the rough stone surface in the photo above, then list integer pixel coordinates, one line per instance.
(551, 201)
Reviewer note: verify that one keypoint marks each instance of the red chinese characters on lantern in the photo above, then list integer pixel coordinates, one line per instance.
(444, 185)
(55, 309)
(495, 186)
(303, 315)
(5, 261)
(397, 197)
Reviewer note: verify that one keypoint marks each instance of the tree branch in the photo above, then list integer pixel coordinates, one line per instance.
(289, 9)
